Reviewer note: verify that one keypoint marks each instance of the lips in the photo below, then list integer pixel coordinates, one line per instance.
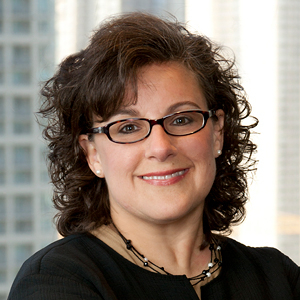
(164, 177)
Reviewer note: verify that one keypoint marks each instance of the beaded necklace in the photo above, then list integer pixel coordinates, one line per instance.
(214, 264)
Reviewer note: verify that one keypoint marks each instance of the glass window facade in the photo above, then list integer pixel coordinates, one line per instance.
(20, 253)
(2, 115)
(44, 59)
(21, 7)
(43, 27)
(23, 115)
(21, 27)
(23, 214)
(1, 63)
(3, 214)
(3, 263)
(21, 56)
(2, 165)
(1, 16)
(27, 39)
(44, 6)
(22, 164)
(21, 65)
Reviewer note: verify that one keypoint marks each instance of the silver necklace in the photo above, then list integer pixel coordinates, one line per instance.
(214, 264)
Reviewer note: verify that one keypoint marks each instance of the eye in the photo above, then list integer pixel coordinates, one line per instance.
(128, 127)
(182, 120)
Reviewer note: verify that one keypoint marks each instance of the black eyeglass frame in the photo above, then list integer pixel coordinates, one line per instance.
(105, 129)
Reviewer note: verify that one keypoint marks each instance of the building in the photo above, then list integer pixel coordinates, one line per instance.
(288, 88)
(265, 37)
(27, 41)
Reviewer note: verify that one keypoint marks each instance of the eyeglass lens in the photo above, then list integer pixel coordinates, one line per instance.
(179, 124)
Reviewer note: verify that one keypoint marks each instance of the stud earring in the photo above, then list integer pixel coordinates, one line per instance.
(219, 152)
(98, 172)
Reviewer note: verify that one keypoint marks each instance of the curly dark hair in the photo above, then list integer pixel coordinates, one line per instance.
(94, 81)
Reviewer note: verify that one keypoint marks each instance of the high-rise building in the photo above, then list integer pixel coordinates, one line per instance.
(157, 7)
(288, 184)
(27, 41)
(265, 38)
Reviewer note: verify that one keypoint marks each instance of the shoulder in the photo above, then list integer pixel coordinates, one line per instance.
(263, 254)
(75, 254)
(264, 260)
(65, 267)
(254, 273)
(63, 250)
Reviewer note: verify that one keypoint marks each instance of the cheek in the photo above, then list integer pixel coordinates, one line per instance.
(200, 146)
(117, 164)
(200, 150)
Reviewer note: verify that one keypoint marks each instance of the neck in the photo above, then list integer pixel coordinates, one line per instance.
(174, 246)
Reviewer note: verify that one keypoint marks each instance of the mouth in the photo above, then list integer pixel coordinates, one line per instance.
(164, 178)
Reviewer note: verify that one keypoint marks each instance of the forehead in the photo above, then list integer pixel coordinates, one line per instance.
(160, 89)
(165, 85)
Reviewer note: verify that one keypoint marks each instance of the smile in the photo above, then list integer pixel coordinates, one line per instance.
(165, 177)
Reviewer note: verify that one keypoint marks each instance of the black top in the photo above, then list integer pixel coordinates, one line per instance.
(83, 267)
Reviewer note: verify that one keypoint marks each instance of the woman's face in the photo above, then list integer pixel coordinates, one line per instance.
(131, 170)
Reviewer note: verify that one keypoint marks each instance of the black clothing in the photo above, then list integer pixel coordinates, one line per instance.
(83, 267)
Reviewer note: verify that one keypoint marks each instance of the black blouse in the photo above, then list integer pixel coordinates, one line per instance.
(83, 267)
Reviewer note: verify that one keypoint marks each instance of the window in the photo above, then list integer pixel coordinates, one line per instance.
(43, 27)
(44, 6)
(3, 214)
(23, 214)
(2, 165)
(21, 65)
(22, 156)
(21, 77)
(44, 171)
(21, 27)
(21, 56)
(20, 253)
(1, 62)
(2, 115)
(47, 213)
(3, 260)
(21, 7)
(1, 16)
(45, 60)
(22, 164)
(22, 112)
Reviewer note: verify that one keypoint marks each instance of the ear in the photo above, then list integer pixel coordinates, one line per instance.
(219, 132)
(91, 154)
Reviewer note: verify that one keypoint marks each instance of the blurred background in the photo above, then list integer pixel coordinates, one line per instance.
(35, 35)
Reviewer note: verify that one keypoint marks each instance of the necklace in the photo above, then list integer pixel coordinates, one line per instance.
(214, 264)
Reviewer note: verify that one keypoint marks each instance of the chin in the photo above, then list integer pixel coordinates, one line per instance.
(172, 217)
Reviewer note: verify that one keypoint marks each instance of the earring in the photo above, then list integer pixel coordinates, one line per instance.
(219, 152)
(98, 172)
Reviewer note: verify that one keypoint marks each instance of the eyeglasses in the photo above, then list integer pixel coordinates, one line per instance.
(128, 131)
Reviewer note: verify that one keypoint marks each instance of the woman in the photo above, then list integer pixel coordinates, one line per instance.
(149, 158)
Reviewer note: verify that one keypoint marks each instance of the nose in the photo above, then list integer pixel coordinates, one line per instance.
(159, 144)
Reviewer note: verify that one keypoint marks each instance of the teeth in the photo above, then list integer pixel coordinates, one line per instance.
(179, 173)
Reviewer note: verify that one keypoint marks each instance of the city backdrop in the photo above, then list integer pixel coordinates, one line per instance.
(35, 35)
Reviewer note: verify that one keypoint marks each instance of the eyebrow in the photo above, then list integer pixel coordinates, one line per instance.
(172, 109)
